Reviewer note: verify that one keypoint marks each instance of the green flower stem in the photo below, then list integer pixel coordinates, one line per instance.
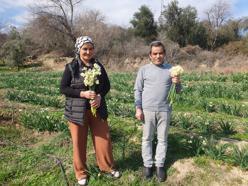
(172, 94)
(93, 109)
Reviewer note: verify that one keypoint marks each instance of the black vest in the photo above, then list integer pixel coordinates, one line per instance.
(75, 107)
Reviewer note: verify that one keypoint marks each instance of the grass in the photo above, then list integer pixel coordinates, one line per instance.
(30, 159)
(240, 136)
(32, 163)
(26, 159)
(202, 161)
(30, 155)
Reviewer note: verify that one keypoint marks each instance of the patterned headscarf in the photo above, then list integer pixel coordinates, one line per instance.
(81, 41)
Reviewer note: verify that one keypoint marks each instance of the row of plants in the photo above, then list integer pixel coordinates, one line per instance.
(227, 152)
(203, 124)
(213, 90)
(194, 122)
(42, 90)
(241, 86)
(30, 74)
(125, 82)
(36, 99)
(116, 108)
(236, 77)
(213, 105)
(231, 109)
(119, 105)
(126, 77)
(122, 86)
(30, 82)
(43, 120)
(117, 99)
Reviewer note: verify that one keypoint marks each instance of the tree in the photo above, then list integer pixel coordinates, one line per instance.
(13, 50)
(231, 30)
(3, 36)
(199, 35)
(58, 16)
(92, 23)
(217, 15)
(244, 24)
(181, 25)
(144, 25)
(45, 38)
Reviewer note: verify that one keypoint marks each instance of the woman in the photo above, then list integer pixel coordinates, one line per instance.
(79, 100)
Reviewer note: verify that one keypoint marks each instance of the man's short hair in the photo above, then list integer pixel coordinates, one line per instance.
(157, 44)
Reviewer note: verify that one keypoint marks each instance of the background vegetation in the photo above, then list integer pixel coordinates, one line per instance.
(54, 27)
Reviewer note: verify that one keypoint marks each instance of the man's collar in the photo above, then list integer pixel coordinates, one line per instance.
(158, 65)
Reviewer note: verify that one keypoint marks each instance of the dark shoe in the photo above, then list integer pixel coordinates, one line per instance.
(161, 174)
(148, 172)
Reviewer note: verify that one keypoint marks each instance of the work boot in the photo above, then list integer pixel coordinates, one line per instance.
(161, 174)
(148, 172)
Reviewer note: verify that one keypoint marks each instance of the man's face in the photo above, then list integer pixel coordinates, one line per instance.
(157, 55)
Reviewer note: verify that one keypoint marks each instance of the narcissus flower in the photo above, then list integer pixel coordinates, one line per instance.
(91, 80)
(175, 71)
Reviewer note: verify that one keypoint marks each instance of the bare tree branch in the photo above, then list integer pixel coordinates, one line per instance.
(244, 23)
(62, 12)
(217, 15)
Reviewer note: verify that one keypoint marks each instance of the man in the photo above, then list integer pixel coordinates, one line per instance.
(151, 90)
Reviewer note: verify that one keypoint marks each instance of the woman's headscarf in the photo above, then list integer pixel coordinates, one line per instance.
(81, 41)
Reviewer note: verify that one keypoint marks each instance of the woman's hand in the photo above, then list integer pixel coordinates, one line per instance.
(89, 94)
(96, 102)
(175, 79)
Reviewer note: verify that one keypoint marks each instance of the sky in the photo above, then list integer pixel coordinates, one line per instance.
(117, 12)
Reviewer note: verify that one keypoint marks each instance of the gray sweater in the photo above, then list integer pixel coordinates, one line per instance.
(152, 86)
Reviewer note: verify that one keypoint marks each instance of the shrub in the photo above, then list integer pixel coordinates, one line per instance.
(13, 50)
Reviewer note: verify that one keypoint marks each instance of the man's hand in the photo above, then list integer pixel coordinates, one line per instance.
(88, 94)
(96, 102)
(175, 79)
(139, 114)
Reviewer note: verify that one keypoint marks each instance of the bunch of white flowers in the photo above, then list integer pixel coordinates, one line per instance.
(90, 75)
(175, 71)
(91, 80)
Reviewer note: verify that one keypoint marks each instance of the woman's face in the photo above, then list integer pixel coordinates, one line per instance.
(86, 52)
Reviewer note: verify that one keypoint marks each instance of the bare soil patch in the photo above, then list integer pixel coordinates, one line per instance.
(214, 174)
